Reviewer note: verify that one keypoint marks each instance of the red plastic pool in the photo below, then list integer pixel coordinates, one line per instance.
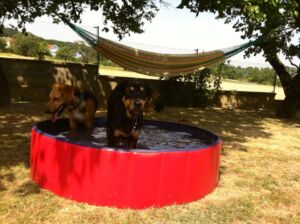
(134, 179)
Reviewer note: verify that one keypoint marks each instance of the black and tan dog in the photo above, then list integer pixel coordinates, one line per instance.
(125, 108)
(81, 105)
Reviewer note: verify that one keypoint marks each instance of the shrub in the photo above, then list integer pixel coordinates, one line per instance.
(2, 45)
(198, 89)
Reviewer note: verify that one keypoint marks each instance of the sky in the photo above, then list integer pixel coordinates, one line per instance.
(171, 31)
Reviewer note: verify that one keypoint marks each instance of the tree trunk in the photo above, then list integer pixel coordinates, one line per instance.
(4, 89)
(291, 86)
(288, 108)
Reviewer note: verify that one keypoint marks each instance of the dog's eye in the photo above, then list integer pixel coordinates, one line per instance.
(55, 98)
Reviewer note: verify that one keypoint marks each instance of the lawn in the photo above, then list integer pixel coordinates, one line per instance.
(259, 173)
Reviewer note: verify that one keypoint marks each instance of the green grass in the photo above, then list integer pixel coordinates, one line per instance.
(259, 173)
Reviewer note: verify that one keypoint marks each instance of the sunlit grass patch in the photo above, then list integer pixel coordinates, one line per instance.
(233, 211)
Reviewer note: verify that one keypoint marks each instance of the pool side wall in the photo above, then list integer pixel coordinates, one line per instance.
(123, 179)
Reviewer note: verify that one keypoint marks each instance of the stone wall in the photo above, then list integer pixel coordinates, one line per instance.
(246, 100)
(4, 89)
(31, 80)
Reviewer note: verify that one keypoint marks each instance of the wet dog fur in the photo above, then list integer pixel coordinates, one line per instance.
(80, 105)
(125, 108)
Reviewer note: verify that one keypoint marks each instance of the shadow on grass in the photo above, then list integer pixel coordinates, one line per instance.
(233, 126)
(8, 177)
(16, 122)
(28, 187)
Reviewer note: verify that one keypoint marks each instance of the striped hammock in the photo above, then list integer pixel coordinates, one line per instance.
(156, 64)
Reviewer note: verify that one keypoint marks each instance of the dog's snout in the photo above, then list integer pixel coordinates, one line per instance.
(137, 103)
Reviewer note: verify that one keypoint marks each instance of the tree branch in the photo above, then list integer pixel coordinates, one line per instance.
(280, 69)
(74, 9)
(292, 63)
(297, 19)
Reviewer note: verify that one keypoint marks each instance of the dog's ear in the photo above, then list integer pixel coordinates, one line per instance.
(122, 86)
(68, 93)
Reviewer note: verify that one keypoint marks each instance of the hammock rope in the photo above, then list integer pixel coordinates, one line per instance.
(156, 64)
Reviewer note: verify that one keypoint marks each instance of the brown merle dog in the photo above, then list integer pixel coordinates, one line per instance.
(81, 105)
(125, 108)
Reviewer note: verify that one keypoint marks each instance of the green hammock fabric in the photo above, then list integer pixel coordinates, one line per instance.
(156, 64)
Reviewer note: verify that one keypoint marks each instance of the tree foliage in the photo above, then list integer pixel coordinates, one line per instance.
(248, 74)
(86, 53)
(123, 16)
(30, 45)
(66, 52)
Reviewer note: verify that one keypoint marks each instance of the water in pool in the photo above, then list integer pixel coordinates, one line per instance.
(151, 137)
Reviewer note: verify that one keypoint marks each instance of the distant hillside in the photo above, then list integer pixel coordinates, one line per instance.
(8, 32)
(58, 43)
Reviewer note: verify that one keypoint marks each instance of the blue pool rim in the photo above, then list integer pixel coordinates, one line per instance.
(42, 126)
